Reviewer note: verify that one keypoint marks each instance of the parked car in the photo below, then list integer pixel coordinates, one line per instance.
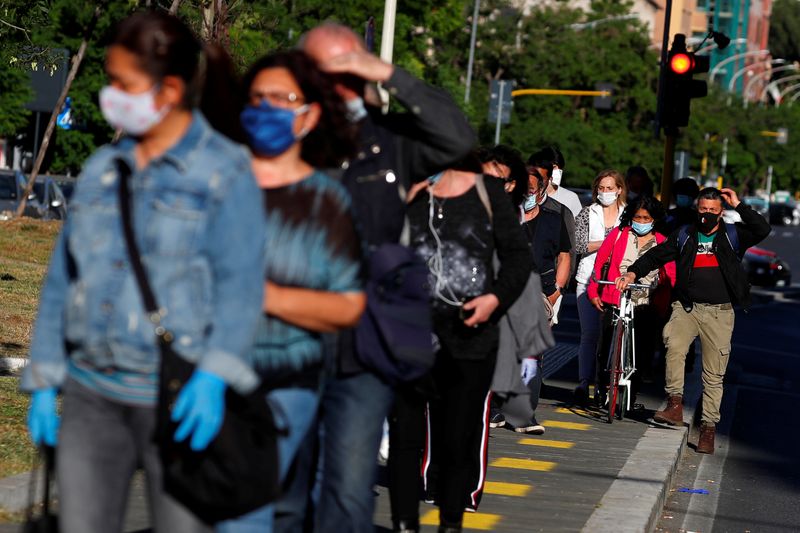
(757, 203)
(784, 214)
(51, 202)
(765, 269)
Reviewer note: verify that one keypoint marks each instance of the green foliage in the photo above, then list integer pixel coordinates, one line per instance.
(784, 30)
(538, 49)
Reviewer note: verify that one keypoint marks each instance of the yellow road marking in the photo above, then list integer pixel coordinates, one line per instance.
(565, 425)
(506, 489)
(572, 411)
(547, 443)
(523, 464)
(482, 521)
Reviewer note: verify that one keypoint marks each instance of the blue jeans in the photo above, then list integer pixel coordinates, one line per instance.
(295, 409)
(590, 319)
(353, 410)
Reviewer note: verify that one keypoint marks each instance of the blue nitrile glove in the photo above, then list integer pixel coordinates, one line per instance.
(200, 409)
(43, 418)
(530, 367)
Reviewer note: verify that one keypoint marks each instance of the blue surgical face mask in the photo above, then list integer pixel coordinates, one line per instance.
(530, 203)
(684, 200)
(435, 178)
(356, 110)
(270, 129)
(641, 229)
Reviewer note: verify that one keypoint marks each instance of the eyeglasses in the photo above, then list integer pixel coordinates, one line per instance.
(278, 99)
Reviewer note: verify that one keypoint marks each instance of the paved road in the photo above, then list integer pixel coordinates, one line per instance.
(753, 481)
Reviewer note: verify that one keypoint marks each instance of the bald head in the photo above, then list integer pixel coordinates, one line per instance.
(330, 40)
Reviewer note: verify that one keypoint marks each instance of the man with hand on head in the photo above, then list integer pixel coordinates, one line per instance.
(709, 282)
(396, 150)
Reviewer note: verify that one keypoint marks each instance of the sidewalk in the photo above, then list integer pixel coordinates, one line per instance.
(582, 474)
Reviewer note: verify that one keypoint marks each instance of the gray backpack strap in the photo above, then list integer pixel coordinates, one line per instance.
(480, 186)
(405, 234)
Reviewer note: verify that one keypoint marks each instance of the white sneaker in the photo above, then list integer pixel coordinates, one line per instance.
(533, 428)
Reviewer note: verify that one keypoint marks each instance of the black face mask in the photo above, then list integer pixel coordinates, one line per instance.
(707, 222)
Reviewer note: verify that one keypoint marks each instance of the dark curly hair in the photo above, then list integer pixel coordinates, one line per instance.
(333, 140)
(508, 156)
(649, 204)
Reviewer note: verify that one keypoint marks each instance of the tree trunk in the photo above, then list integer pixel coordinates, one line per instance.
(51, 125)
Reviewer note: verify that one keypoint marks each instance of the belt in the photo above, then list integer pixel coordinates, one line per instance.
(722, 307)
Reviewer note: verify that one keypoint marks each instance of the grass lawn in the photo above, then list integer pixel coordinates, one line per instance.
(16, 450)
(25, 247)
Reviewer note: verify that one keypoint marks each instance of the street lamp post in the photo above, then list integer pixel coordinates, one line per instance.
(712, 46)
(747, 68)
(786, 91)
(472, 39)
(748, 88)
(776, 83)
(734, 57)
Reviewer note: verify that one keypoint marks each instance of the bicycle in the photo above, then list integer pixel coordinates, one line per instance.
(622, 355)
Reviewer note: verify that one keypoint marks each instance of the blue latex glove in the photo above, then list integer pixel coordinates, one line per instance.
(530, 367)
(43, 418)
(200, 409)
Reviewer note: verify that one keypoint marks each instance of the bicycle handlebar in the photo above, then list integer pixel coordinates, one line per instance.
(630, 285)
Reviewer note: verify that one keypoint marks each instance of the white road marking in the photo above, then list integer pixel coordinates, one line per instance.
(703, 507)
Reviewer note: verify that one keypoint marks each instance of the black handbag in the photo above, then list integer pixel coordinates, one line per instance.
(46, 521)
(238, 471)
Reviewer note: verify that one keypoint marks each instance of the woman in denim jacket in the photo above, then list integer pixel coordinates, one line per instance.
(200, 226)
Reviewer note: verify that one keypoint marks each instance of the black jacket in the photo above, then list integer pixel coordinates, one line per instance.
(752, 230)
(397, 150)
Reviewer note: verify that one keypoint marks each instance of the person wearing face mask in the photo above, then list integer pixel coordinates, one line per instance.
(625, 244)
(592, 226)
(710, 280)
(638, 183)
(505, 163)
(395, 150)
(295, 123)
(554, 189)
(200, 227)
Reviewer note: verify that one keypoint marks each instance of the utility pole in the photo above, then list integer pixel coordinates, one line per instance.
(499, 113)
(472, 40)
(724, 162)
(769, 184)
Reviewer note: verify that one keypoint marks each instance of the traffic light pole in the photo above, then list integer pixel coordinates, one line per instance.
(662, 72)
(668, 171)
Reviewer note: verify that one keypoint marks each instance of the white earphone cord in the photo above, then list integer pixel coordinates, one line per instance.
(436, 264)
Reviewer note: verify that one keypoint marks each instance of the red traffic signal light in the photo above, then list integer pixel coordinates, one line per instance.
(681, 63)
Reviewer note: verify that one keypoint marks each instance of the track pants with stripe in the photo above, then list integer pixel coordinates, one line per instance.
(440, 439)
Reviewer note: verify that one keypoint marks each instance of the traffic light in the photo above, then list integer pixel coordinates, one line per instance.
(680, 86)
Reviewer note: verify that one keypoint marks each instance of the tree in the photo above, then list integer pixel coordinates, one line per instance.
(784, 30)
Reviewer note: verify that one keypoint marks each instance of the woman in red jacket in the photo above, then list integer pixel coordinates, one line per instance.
(624, 245)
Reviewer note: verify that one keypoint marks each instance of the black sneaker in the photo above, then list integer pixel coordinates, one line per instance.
(533, 428)
(497, 420)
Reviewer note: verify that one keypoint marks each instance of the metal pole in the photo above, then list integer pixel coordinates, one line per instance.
(769, 184)
(724, 162)
(499, 112)
(663, 70)
(472, 40)
(724, 62)
(714, 46)
(787, 90)
(36, 136)
(669, 166)
(749, 86)
(777, 82)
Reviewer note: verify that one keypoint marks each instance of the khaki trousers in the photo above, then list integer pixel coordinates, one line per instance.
(714, 325)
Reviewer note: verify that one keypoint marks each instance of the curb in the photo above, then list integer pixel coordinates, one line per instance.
(14, 492)
(12, 364)
(634, 501)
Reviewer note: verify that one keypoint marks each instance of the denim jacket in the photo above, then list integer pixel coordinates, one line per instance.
(200, 225)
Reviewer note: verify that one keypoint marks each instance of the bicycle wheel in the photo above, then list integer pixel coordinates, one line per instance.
(615, 369)
(625, 364)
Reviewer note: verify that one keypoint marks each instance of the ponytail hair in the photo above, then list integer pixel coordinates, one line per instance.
(166, 46)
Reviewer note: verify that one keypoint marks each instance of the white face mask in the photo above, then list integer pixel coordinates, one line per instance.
(134, 114)
(557, 176)
(607, 198)
(356, 110)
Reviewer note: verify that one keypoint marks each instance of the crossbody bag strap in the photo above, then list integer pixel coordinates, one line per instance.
(124, 196)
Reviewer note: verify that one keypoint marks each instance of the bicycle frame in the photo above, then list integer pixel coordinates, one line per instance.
(623, 318)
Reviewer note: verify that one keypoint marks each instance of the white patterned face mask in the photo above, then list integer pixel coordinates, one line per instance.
(607, 198)
(134, 114)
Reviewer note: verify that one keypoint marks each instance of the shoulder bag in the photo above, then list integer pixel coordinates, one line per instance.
(238, 471)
